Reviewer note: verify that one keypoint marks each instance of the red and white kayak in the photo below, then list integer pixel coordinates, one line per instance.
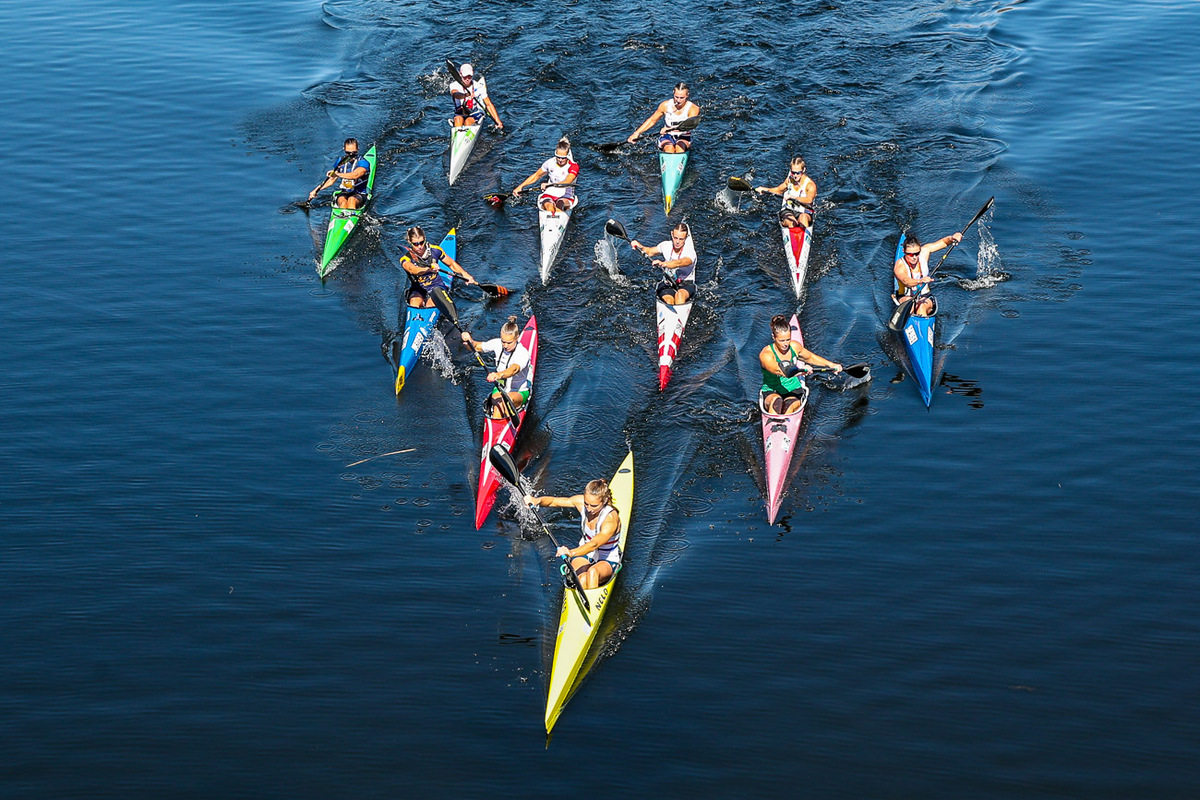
(781, 433)
(671, 322)
(499, 431)
(796, 241)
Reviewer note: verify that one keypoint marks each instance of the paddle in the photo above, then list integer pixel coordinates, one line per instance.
(502, 460)
(740, 185)
(616, 229)
(855, 375)
(343, 161)
(454, 73)
(441, 299)
(688, 124)
(496, 199)
(493, 289)
(904, 309)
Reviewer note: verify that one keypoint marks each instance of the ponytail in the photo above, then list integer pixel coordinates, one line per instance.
(510, 327)
(599, 488)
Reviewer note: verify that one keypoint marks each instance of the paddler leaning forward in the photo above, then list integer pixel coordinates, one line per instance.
(597, 557)
(421, 263)
(912, 272)
(512, 367)
(784, 363)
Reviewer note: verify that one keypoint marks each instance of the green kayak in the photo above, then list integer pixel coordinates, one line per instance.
(343, 221)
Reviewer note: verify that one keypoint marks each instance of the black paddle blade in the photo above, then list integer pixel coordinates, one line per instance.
(901, 314)
(608, 147)
(616, 229)
(503, 463)
(982, 211)
(441, 299)
(740, 185)
(454, 71)
(688, 124)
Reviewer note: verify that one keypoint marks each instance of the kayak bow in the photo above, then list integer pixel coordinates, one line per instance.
(671, 322)
(577, 627)
(499, 431)
(462, 142)
(343, 221)
(420, 322)
(796, 242)
(671, 165)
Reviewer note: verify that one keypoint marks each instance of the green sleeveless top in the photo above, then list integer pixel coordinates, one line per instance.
(779, 383)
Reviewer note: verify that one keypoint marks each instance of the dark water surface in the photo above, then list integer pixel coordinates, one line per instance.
(994, 597)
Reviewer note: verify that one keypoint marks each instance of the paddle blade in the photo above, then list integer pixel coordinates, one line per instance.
(900, 314)
(453, 70)
(688, 124)
(608, 147)
(441, 299)
(502, 461)
(982, 211)
(495, 290)
(616, 229)
(740, 185)
(495, 200)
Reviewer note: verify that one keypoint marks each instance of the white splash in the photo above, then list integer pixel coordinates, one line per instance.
(987, 271)
(606, 257)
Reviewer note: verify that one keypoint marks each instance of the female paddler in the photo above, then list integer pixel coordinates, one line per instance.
(784, 362)
(798, 192)
(912, 271)
(560, 171)
(597, 557)
(512, 367)
(421, 263)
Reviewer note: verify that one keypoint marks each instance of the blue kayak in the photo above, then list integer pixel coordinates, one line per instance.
(420, 322)
(917, 335)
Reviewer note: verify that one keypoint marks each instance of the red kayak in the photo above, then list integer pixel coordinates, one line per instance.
(499, 431)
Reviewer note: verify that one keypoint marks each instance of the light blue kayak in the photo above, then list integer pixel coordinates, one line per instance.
(917, 335)
(420, 322)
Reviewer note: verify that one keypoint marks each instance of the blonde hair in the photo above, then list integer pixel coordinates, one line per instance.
(510, 327)
(599, 488)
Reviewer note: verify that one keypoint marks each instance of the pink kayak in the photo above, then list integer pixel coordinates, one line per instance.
(499, 431)
(671, 321)
(780, 435)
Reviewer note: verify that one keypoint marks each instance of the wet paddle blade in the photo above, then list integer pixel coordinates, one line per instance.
(502, 461)
(616, 229)
(740, 185)
(900, 315)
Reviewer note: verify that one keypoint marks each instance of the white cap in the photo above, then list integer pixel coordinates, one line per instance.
(466, 70)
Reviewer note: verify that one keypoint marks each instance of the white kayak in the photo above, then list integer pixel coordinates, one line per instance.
(553, 228)
(671, 322)
(462, 142)
(796, 242)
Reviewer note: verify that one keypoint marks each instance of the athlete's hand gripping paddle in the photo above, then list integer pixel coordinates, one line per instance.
(503, 461)
(441, 299)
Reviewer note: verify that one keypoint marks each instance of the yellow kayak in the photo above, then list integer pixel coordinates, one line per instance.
(577, 626)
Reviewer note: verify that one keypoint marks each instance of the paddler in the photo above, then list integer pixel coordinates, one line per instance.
(672, 112)
(912, 271)
(421, 263)
(798, 192)
(512, 367)
(471, 99)
(677, 260)
(784, 362)
(350, 172)
(597, 557)
(558, 191)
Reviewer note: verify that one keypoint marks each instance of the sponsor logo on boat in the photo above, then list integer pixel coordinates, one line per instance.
(911, 334)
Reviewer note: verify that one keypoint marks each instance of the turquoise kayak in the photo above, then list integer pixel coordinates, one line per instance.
(420, 322)
(672, 166)
(343, 221)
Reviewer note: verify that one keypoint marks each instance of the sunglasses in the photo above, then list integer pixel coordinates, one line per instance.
(417, 243)
(563, 159)
(911, 255)
(797, 172)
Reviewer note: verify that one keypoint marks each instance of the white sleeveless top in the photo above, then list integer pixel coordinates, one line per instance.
(672, 117)
(610, 550)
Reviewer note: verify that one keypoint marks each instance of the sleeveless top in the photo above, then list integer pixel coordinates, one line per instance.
(672, 117)
(781, 384)
(920, 273)
(504, 359)
(475, 96)
(668, 252)
(353, 185)
(793, 192)
(610, 548)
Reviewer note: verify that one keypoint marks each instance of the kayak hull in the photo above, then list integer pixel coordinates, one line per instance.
(781, 433)
(796, 243)
(671, 322)
(344, 221)
(553, 229)
(462, 142)
(671, 165)
(917, 337)
(577, 626)
(419, 323)
(499, 431)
